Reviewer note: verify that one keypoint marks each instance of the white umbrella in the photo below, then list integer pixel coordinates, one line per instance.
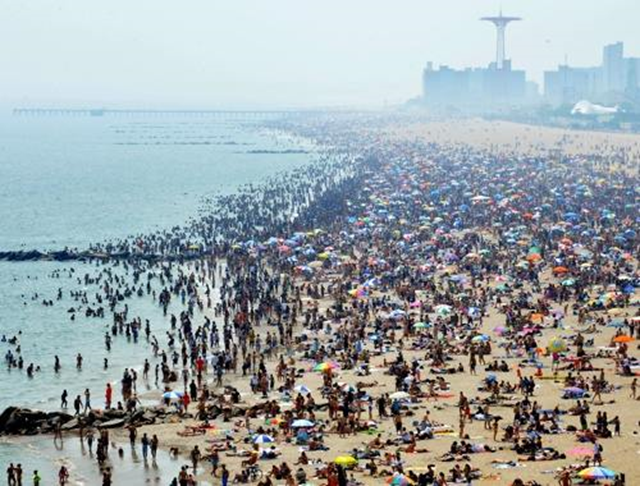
(301, 423)
(302, 389)
(399, 395)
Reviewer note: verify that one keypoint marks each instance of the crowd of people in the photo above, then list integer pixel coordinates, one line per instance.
(423, 294)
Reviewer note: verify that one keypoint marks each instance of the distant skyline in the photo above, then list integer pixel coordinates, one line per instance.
(284, 53)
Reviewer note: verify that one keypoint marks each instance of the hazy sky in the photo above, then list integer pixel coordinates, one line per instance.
(238, 53)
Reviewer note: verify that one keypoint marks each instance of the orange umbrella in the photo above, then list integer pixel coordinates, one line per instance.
(537, 318)
(534, 257)
(623, 339)
(560, 270)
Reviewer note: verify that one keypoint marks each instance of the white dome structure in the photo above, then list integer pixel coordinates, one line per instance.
(585, 107)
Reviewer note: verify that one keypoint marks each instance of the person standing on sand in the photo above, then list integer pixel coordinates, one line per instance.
(133, 432)
(214, 459)
(495, 428)
(224, 475)
(87, 400)
(597, 454)
(472, 361)
(634, 388)
(565, 478)
(195, 458)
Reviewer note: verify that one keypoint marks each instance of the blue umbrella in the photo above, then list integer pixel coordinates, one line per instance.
(262, 439)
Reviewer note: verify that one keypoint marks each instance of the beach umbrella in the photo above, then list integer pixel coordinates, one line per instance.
(326, 366)
(502, 288)
(623, 339)
(556, 345)
(399, 480)
(273, 421)
(346, 461)
(346, 388)
(474, 312)
(560, 270)
(597, 473)
(397, 314)
(532, 434)
(399, 395)
(500, 330)
(617, 323)
(173, 395)
(481, 338)
(536, 317)
(491, 377)
(570, 282)
(263, 439)
(303, 389)
(443, 310)
(534, 257)
(421, 325)
(301, 424)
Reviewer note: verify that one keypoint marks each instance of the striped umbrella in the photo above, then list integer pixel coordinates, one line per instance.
(262, 439)
(597, 473)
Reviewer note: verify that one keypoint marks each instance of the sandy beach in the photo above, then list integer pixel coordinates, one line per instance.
(499, 467)
(476, 282)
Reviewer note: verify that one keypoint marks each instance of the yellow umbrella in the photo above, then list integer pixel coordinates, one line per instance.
(346, 461)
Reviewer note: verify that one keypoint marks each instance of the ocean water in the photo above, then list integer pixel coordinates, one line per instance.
(68, 182)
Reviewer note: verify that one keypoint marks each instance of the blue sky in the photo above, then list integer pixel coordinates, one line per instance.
(240, 53)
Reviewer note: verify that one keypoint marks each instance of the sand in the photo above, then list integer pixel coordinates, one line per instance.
(621, 454)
